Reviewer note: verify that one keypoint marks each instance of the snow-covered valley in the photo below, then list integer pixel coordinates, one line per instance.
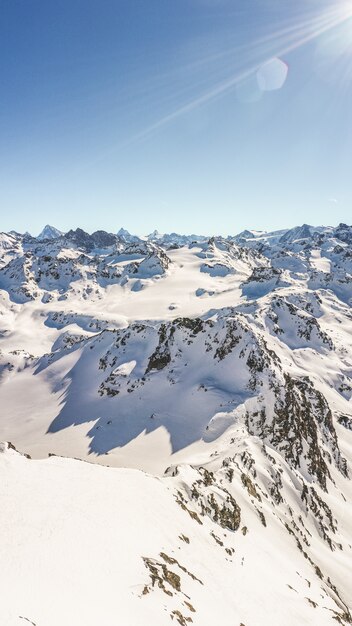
(213, 379)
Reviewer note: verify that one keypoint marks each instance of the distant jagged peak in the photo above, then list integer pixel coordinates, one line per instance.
(12, 235)
(344, 233)
(154, 235)
(49, 232)
(16, 235)
(126, 236)
(103, 239)
(175, 240)
(249, 234)
(298, 232)
(77, 232)
(100, 239)
(123, 233)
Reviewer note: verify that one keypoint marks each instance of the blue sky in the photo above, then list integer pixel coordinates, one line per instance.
(149, 114)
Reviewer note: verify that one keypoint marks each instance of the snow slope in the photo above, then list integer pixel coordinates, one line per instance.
(223, 367)
(89, 545)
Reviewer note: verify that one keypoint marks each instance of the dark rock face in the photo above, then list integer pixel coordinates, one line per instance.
(301, 428)
(344, 233)
(102, 239)
(99, 239)
(80, 238)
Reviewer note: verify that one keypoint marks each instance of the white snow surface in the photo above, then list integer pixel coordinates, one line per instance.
(223, 368)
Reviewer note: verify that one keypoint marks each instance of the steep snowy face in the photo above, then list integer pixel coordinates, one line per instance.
(10, 247)
(126, 237)
(296, 234)
(49, 232)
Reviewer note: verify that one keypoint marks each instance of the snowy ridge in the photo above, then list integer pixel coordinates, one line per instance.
(223, 367)
(202, 542)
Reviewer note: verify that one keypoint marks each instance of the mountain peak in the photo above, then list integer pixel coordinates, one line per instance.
(123, 232)
(296, 233)
(154, 234)
(49, 232)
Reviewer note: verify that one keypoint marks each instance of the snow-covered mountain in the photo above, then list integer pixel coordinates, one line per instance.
(223, 368)
(49, 232)
(126, 236)
(174, 239)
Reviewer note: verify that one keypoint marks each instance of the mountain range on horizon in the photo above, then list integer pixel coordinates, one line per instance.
(298, 232)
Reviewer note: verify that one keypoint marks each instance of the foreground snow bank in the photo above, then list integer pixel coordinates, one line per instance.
(87, 545)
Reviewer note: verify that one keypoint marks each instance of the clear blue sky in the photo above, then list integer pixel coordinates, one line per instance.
(150, 114)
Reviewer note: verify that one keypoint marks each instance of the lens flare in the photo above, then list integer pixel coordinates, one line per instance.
(268, 71)
(272, 75)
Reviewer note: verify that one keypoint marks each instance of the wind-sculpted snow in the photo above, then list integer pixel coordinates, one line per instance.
(223, 366)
